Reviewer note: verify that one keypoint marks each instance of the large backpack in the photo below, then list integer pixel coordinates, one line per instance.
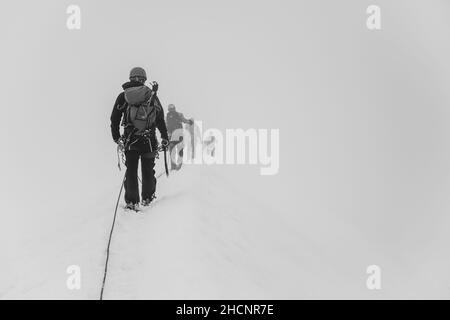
(141, 110)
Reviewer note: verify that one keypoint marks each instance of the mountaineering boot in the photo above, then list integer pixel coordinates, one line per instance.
(132, 206)
(146, 202)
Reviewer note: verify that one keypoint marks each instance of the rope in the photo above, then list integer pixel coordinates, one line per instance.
(110, 237)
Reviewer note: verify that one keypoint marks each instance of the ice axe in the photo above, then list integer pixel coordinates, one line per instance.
(165, 162)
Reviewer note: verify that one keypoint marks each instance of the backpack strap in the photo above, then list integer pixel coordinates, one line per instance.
(126, 117)
(147, 126)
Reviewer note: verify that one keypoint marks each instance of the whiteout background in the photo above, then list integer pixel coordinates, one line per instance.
(365, 148)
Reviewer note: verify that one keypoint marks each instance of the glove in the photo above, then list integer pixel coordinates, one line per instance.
(164, 144)
(155, 86)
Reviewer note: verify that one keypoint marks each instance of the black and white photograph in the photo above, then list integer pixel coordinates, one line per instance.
(225, 151)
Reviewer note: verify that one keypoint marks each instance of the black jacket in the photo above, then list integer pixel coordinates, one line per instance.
(120, 107)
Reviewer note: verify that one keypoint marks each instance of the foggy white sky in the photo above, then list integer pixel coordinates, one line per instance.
(363, 116)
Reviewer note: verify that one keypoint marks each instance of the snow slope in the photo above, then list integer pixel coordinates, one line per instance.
(199, 240)
(205, 237)
(202, 238)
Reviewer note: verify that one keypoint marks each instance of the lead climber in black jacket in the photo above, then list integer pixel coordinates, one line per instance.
(140, 111)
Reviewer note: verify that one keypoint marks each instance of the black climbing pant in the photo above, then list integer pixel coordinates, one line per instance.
(147, 172)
